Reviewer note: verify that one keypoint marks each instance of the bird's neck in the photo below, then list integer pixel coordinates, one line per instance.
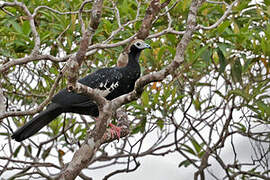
(133, 58)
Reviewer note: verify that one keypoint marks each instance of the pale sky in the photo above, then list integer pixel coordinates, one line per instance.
(166, 168)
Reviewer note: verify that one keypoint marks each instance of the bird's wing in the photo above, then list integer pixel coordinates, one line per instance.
(104, 81)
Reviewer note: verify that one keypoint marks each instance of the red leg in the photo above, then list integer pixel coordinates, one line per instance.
(115, 130)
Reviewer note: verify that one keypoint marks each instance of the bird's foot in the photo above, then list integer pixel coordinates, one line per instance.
(115, 130)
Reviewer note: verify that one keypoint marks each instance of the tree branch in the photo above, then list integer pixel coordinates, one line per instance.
(160, 75)
(40, 107)
(31, 20)
(151, 12)
(2, 100)
(84, 154)
(224, 16)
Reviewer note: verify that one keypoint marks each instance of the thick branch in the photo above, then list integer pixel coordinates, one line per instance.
(76, 61)
(149, 17)
(162, 74)
(83, 156)
(96, 14)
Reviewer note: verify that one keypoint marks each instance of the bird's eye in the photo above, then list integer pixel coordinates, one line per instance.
(138, 44)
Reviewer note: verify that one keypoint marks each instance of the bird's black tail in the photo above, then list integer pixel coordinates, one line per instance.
(42, 119)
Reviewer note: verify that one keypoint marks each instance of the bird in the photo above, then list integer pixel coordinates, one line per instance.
(110, 82)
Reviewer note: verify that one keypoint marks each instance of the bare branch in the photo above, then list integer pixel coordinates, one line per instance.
(2, 100)
(31, 163)
(117, 14)
(128, 152)
(80, 15)
(31, 58)
(217, 2)
(56, 11)
(166, 31)
(224, 16)
(137, 164)
(39, 108)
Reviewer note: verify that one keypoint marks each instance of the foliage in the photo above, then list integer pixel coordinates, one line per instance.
(221, 91)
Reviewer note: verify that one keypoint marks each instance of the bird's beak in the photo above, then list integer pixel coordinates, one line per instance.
(147, 46)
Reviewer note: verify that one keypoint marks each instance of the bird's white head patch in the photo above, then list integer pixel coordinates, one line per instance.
(140, 44)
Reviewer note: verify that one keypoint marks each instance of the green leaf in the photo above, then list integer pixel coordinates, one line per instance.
(173, 93)
(156, 97)
(264, 45)
(78, 129)
(188, 149)
(136, 130)
(55, 125)
(185, 4)
(187, 162)
(162, 52)
(267, 2)
(264, 108)
(196, 145)
(171, 38)
(237, 71)
(247, 65)
(220, 94)
(206, 55)
(17, 150)
(139, 127)
(200, 52)
(222, 60)
(145, 99)
(3, 134)
(26, 29)
(46, 153)
(240, 127)
(16, 26)
(223, 26)
(160, 123)
(28, 151)
(197, 104)
(201, 154)
(241, 93)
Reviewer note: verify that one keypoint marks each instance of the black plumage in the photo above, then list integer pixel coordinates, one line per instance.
(112, 82)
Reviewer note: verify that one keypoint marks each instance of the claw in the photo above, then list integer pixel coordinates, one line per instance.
(115, 130)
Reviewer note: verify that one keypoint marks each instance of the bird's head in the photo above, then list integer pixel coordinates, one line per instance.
(139, 45)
